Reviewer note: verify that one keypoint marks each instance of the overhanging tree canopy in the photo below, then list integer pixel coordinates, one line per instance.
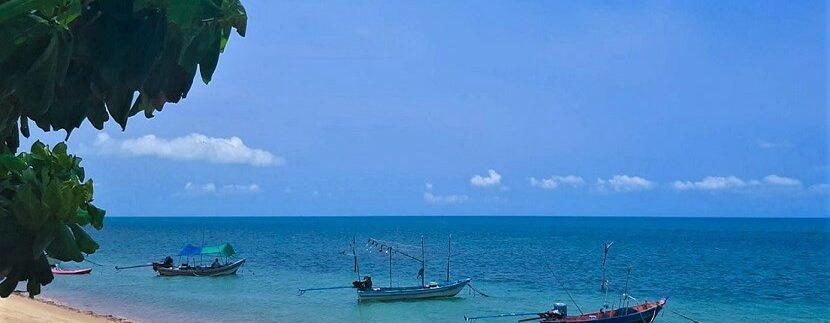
(66, 61)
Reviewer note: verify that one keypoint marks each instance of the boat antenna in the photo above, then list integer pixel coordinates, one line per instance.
(566, 290)
(354, 254)
(449, 253)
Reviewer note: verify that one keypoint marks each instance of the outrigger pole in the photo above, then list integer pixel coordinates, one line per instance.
(469, 319)
(566, 290)
(302, 291)
(135, 266)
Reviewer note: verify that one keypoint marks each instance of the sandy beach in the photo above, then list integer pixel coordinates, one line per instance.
(20, 308)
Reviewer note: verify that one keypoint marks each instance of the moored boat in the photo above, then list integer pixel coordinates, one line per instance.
(189, 253)
(366, 291)
(432, 290)
(60, 271)
(202, 271)
(640, 313)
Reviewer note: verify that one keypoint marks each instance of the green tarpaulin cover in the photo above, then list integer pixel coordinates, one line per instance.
(225, 250)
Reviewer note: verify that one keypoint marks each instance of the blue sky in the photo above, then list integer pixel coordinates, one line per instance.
(682, 108)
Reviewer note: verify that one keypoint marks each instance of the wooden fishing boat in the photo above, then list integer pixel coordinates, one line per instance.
(60, 271)
(202, 271)
(366, 291)
(640, 313)
(190, 254)
(432, 290)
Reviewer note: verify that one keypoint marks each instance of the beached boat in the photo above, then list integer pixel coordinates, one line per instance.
(60, 271)
(432, 290)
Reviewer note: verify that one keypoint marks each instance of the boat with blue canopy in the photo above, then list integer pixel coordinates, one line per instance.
(218, 268)
(223, 263)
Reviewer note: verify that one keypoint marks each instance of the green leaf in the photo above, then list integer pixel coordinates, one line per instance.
(118, 104)
(12, 163)
(85, 243)
(82, 217)
(96, 216)
(33, 287)
(43, 238)
(39, 150)
(64, 247)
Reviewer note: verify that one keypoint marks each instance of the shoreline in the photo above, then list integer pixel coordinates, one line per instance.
(18, 307)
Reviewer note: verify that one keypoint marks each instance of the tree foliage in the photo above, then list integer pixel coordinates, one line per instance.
(44, 206)
(66, 61)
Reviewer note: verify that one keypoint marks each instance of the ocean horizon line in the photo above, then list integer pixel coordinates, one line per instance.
(827, 217)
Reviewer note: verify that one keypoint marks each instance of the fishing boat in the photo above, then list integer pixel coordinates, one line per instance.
(431, 290)
(367, 292)
(60, 271)
(222, 264)
(640, 313)
(645, 312)
(57, 270)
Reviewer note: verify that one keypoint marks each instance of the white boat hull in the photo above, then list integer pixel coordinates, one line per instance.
(417, 292)
(229, 269)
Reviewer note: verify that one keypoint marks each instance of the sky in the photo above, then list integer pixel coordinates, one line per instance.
(562, 108)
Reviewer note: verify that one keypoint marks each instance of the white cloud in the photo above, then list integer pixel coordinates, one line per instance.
(212, 189)
(190, 147)
(431, 198)
(625, 183)
(492, 179)
(715, 183)
(445, 199)
(709, 183)
(556, 181)
(763, 144)
(781, 181)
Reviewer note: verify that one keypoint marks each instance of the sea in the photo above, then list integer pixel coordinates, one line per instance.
(709, 269)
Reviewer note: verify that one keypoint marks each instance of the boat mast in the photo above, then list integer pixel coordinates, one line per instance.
(390, 267)
(354, 254)
(604, 284)
(624, 301)
(449, 253)
(423, 261)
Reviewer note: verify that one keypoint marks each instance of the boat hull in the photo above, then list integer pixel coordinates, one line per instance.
(226, 270)
(407, 293)
(643, 313)
(83, 271)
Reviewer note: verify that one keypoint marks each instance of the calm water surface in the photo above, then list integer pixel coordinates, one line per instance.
(744, 270)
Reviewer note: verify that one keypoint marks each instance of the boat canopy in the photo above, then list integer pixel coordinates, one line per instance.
(225, 250)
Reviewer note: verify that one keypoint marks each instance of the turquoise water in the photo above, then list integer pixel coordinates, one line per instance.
(743, 270)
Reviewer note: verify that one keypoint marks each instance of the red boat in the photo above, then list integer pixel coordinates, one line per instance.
(640, 313)
(82, 271)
